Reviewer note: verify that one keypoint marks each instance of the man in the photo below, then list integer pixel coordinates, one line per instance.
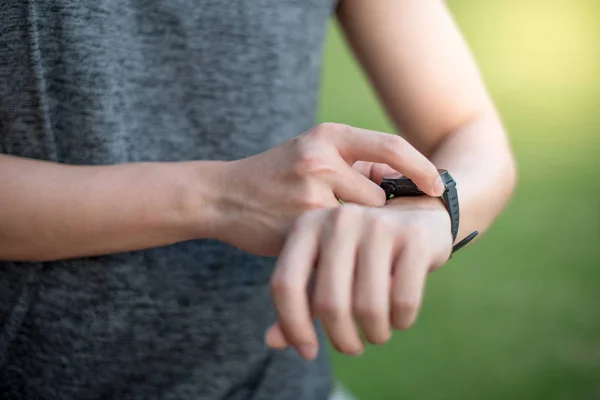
(157, 154)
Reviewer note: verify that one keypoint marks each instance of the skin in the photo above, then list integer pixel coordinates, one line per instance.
(366, 261)
(51, 211)
(367, 267)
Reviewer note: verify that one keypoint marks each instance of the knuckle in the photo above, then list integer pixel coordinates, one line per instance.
(299, 225)
(320, 132)
(418, 245)
(393, 144)
(380, 226)
(405, 305)
(327, 309)
(326, 129)
(379, 338)
(406, 310)
(304, 221)
(416, 233)
(298, 324)
(405, 323)
(280, 285)
(310, 162)
(368, 312)
(348, 346)
(344, 214)
(311, 198)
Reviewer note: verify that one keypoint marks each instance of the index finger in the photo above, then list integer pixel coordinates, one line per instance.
(357, 144)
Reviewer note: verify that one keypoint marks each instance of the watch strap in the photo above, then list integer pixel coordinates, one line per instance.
(403, 186)
(450, 198)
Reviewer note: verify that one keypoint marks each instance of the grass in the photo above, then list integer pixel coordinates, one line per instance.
(516, 316)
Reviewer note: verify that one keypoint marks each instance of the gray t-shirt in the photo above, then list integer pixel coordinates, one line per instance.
(117, 81)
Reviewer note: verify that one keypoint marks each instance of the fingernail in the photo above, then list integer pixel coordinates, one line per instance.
(308, 351)
(358, 352)
(439, 186)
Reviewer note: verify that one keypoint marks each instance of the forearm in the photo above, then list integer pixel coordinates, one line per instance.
(52, 211)
(429, 82)
(478, 157)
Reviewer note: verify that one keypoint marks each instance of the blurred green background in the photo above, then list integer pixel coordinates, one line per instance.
(518, 315)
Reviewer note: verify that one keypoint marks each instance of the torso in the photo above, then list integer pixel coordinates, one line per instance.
(115, 81)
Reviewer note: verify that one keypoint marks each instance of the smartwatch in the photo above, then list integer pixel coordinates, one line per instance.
(401, 187)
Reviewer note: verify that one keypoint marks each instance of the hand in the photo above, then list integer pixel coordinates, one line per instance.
(268, 192)
(366, 264)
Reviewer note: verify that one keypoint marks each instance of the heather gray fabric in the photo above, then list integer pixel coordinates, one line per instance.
(116, 81)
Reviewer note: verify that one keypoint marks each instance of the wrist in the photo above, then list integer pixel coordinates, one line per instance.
(199, 187)
(434, 206)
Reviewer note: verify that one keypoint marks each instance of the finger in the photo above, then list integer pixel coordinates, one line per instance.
(375, 171)
(410, 271)
(363, 168)
(356, 144)
(275, 337)
(289, 284)
(353, 187)
(335, 275)
(380, 171)
(372, 283)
